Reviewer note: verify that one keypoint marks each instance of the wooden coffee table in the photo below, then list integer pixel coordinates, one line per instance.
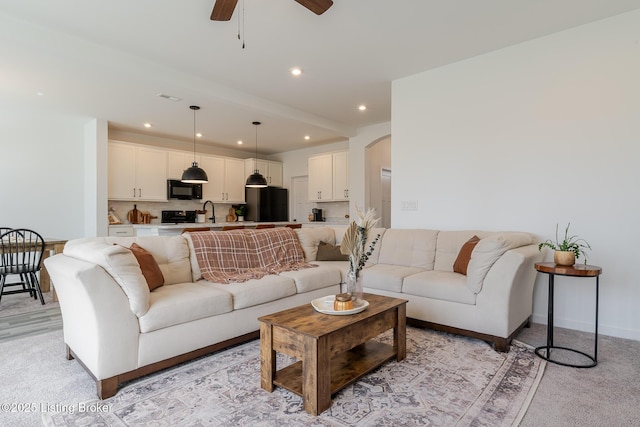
(332, 351)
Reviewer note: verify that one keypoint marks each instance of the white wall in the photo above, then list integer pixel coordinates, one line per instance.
(523, 138)
(42, 172)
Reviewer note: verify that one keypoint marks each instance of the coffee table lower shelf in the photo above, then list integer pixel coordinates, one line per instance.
(346, 367)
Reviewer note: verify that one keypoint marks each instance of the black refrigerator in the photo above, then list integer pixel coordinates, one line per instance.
(268, 204)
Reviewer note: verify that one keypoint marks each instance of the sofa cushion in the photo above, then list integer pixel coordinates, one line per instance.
(327, 252)
(462, 261)
(487, 252)
(386, 277)
(150, 269)
(449, 244)
(310, 238)
(308, 280)
(440, 285)
(172, 255)
(408, 247)
(341, 266)
(196, 274)
(182, 303)
(257, 291)
(120, 263)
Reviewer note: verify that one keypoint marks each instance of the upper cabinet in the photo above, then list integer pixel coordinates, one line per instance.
(340, 175)
(137, 172)
(271, 170)
(226, 179)
(329, 177)
(178, 161)
(320, 178)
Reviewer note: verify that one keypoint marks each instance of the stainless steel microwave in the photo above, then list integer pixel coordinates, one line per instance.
(177, 189)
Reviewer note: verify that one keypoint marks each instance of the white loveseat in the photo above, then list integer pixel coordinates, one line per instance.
(119, 330)
(492, 302)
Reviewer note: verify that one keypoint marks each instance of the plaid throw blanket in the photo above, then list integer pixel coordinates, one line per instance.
(240, 255)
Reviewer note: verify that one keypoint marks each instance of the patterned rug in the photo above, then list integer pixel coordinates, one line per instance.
(446, 380)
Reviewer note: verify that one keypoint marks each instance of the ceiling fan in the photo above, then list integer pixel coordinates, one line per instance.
(223, 9)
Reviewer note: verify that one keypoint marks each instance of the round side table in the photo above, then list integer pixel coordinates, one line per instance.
(553, 270)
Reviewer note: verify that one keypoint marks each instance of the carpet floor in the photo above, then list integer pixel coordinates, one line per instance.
(445, 380)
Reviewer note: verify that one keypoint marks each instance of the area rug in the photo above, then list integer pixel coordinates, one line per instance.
(446, 380)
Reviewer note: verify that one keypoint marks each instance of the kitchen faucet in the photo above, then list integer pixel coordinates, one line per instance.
(213, 210)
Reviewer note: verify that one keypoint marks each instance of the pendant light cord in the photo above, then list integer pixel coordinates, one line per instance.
(194, 108)
(256, 165)
(194, 135)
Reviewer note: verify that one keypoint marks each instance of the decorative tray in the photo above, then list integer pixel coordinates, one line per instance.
(325, 305)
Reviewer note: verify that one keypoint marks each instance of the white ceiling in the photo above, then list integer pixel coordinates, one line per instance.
(110, 58)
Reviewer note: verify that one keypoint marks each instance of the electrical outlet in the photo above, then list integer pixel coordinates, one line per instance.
(409, 205)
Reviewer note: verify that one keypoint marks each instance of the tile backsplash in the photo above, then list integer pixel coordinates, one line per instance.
(121, 209)
(334, 212)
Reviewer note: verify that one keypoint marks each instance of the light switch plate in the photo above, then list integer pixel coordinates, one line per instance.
(409, 205)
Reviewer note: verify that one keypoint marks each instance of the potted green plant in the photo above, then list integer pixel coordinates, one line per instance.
(568, 250)
(241, 210)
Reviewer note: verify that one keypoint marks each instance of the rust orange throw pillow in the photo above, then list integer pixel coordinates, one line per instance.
(461, 263)
(150, 268)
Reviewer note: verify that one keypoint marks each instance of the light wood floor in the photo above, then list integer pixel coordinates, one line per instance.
(28, 324)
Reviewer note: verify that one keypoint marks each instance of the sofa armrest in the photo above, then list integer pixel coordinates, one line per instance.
(506, 298)
(98, 324)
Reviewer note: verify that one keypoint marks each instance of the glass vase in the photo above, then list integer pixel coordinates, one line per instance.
(354, 287)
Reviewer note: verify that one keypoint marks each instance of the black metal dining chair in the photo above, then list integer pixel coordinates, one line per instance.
(24, 286)
(21, 253)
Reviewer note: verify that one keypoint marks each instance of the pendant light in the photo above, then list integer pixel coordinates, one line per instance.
(194, 174)
(256, 180)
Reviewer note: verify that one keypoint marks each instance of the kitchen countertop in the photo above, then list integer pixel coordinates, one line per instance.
(170, 226)
(197, 224)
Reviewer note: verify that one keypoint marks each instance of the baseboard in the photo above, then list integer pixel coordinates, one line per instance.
(560, 322)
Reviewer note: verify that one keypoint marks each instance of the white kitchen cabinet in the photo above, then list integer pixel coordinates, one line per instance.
(226, 179)
(320, 178)
(178, 161)
(329, 177)
(340, 175)
(271, 170)
(234, 179)
(121, 231)
(136, 172)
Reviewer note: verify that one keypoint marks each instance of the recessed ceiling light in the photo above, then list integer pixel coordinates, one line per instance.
(296, 71)
(199, 135)
(362, 107)
(40, 93)
(307, 137)
(240, 142)
(147, 125)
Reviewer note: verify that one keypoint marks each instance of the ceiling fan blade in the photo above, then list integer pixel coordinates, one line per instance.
(223, 9)
(316, 6)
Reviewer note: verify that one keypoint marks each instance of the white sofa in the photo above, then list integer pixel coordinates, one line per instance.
(492, 302)
(119, 330)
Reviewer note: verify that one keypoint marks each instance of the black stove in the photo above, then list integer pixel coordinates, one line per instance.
(178, 217)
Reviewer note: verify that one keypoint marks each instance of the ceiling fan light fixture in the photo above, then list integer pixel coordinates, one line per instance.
(194, 174)
(256, 180)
